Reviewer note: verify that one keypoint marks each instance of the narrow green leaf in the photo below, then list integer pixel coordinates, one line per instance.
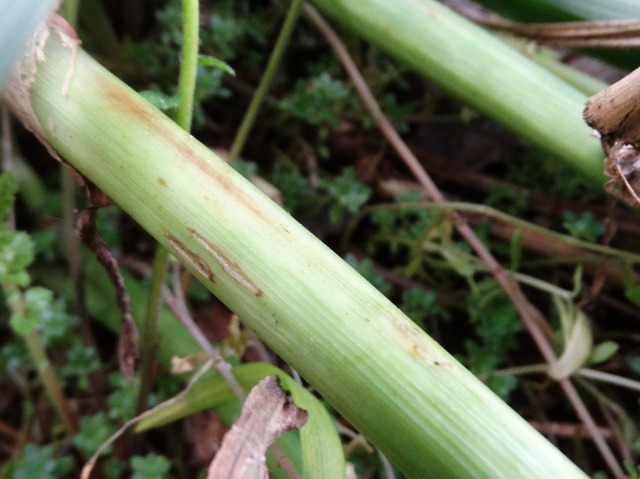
(603, 352)
(209, 61)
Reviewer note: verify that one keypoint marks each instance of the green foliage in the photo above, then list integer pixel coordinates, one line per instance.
(31, 308)
(122, 400)
(603, 352)
(317, 101)
(297, 193)
(508, 199)
(16, 254)
(245, 168)
(8, 189)
(583, 226)
(94, 431)
(419, 305)
(496, 324)
(81, 361)
(347, 193)
(150, 466)
(40, 461)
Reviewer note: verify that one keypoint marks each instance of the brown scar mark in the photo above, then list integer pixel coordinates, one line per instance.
(70, 40)
(162, 181)
(190, 257)
(228, 265)
(442, 364)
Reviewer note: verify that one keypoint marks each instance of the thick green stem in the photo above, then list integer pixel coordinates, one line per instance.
(429, 415)
(481, 70)
(186, 89)
(267, 79)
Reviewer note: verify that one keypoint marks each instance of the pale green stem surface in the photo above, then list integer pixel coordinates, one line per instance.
(186, 89)
(429, 415)
(481, 70)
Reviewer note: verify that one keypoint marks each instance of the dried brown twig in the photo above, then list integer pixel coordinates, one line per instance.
(601, 34)
(531, 317)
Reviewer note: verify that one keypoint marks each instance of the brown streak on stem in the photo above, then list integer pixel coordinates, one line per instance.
(228, 265)
(190, 257)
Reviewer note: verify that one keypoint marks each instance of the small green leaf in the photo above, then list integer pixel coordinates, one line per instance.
(37, 461)
(633, 294)
(209, 61)
(94, 431)
(150, 466)
(8, 189)
(603, 352)
(348, 193)
(584, 226)
(16, 254)
(35, 307)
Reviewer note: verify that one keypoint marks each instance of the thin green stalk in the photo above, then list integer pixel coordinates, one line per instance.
(50, 381)
(188, 63)
(266, 80)
(70, 10)
(46, 373)
(184, 115)
(488, 211)
(149, 336)
(609, 378)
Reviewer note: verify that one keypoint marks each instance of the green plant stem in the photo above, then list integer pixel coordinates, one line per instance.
(609, 378)
(428, 414)
(46, 373)
(50, 381)
(188, 63)
(70, 10)
(266, 80)
(186, 88)
(149, 336)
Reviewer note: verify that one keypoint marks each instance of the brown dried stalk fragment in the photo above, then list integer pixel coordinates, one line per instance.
(615, 113)
(86, 224)
(266, 414)
(598, 33)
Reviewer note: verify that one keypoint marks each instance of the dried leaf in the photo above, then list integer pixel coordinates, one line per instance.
(266, 414)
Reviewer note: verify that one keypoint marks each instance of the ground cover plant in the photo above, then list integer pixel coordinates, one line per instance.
(334, 162)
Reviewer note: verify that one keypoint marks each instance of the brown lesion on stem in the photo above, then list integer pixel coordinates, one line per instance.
(189, 257)
(229, 266)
